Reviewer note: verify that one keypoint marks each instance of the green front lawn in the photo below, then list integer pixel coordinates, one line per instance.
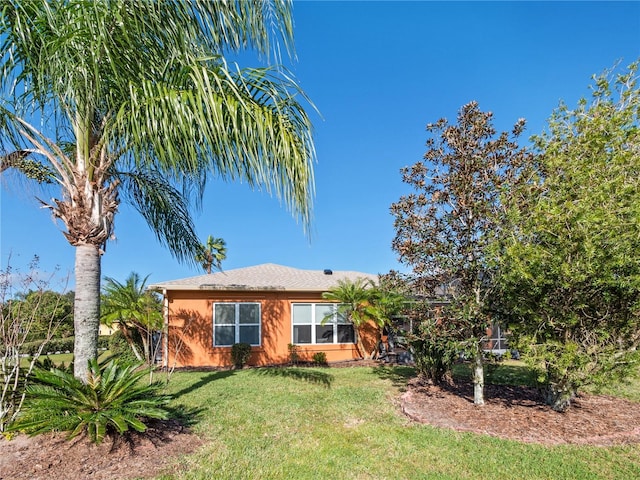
(324, 423)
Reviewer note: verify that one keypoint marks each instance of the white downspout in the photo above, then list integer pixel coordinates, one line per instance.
(165, 328)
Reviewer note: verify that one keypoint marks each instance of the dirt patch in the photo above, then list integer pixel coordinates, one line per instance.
(519, 413)
(134, 455)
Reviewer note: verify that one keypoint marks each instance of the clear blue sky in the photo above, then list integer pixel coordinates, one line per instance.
(378, 72)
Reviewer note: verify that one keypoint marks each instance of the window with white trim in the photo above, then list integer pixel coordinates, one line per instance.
(320, 323)
(236, 323)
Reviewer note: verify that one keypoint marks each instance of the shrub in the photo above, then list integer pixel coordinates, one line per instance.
(320, 358)
(120, 347)
(240, 353)
(434, 358)
(114, 399)
(294, 356)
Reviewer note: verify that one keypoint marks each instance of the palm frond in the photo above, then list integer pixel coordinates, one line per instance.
(210, 121)
(165, 210)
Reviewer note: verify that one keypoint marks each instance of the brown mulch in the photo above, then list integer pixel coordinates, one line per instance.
(519, 413)
(134, 455)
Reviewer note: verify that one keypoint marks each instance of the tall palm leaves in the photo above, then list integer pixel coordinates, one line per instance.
(131, 100)
(133, 309)
(360, 302)
(212, 253)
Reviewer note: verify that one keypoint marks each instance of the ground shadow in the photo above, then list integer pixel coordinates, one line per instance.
(211, 377)
(397, 374)
(186, 416)
(304, 374)
(506, 395)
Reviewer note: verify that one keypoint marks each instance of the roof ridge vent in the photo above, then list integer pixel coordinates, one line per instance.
(328, 271)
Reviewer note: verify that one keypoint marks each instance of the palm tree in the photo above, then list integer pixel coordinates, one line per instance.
(133, 309)
(356, 302)
(212, 253)
(132, 100)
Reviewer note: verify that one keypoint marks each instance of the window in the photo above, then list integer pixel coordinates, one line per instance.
(496, 341)
(236, 323)
(320, 323)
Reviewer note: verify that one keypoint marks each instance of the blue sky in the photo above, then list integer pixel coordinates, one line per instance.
(378, 72)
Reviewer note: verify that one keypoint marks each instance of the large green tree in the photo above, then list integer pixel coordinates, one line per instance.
(443, 230)
(570, 268)
(132, 100)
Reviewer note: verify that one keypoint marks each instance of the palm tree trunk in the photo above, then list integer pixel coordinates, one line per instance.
(86, 312)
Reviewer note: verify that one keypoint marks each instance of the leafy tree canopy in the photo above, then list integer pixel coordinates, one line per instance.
(46, 314)
(570, 269)
(443, 230)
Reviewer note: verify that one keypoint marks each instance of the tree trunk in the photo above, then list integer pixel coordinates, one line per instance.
(86, 311)
(131, 341)
(559, 396)
(478, 377)
(359, 344)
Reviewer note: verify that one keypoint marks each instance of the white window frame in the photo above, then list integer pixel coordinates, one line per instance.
(318, 322)
(237, 323)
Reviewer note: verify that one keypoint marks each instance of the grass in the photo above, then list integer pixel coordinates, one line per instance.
(58, 358)
(317, 423)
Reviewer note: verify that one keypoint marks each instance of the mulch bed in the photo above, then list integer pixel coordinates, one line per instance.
(135, 455)
(519, 413)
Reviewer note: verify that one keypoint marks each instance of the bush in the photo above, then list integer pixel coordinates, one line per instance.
(434, 358)
(240, 353)
(114, 399)
(320, 358)
(294, 356)
(119, 346)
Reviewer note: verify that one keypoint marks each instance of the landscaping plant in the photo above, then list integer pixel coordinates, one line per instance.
(444, 227)
(320, 358)
(570, 269)
(114, 399)
(240, 353)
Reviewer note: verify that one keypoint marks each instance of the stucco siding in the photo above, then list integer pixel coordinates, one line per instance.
(190, 329)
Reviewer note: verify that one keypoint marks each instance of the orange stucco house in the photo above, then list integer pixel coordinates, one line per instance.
(267, 306)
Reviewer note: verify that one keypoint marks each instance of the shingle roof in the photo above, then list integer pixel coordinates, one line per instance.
(268, 276)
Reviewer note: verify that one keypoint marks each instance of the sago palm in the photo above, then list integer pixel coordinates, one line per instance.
(132, 100)
(114, 399)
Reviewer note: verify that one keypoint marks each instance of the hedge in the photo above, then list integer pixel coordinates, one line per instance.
(58, 345)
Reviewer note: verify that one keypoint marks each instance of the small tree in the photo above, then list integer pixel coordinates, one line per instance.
(16, 327)
(361, 301)
(443, 230)
(132, 308)
(570, 270)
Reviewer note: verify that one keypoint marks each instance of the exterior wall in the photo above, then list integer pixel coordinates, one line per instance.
(190, 330)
